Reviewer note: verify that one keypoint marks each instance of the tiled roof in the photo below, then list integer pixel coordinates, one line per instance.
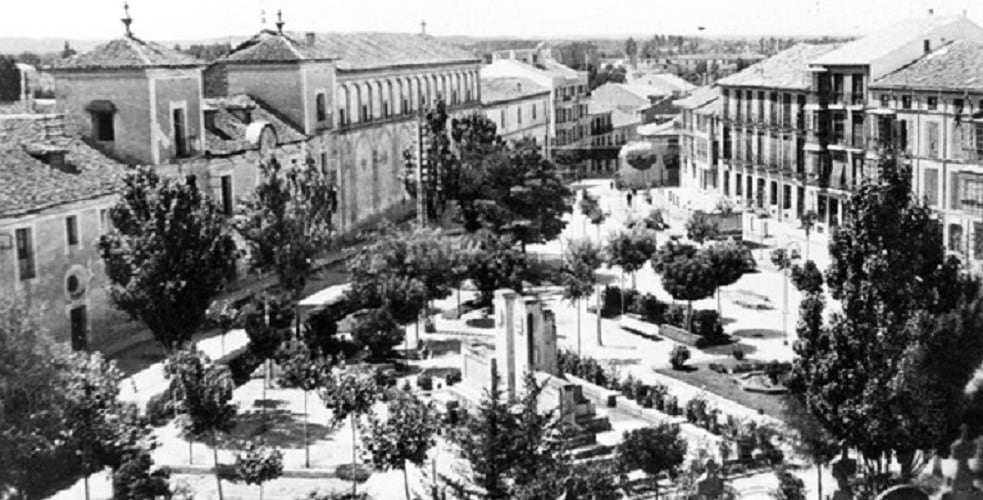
(955, 66)
(28, 185)
(667, 82)
(506, 88)
(700, 97)
(621, 119)
(128, 52)
(787, 69)
(353, 51)
(644, 91)
(881, 43)
(226, 132)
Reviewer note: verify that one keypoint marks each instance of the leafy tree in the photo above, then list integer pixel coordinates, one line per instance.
(258, 465)
(376, 331)
(304, 369)
(630, 250)
(873, 374)
(580, 259)
(67, 51)
(404, 437)
(809, 219)
(169, 255)
(593, 482)
(689, 277)
(789, 486)
(631, 47)
(810, 438)
(654, 450)
(728, 261)
(494, 263)
(807, 277)
(286, 222)
(206, 394)
(349, 394)
(700, 228)
(134, 480)
(590, 207)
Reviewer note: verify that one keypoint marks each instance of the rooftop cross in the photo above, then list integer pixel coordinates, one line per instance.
(262, 18)
(279, 21)
(423, 27)
(127, 20)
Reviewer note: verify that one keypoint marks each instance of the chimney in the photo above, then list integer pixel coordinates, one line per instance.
(311, 38)
(518, 86)
(931, 12)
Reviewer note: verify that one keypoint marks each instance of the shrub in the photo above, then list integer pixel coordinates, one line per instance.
(353, 472)
(611, 302)
(717, 367)
(650, 308)
(790, 487)
(675, 315)
(696, 410)
(738, 353)
(628, 387)
(453, 377)
(706, 323)
(159, 410)
(678, 357)
(425, 382)
(641, 391)
(776, 371)
(133, 479)
(242, 367)
(672, 406)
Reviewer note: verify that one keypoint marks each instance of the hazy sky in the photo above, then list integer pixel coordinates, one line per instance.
(195, 19)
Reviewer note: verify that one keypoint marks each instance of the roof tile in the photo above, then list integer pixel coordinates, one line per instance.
(128, 53)
(788, 69)
(954, 66)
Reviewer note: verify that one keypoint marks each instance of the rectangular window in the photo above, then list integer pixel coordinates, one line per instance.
(321, 106)
(979, 139)
(906, 102)
(103, 127)
(518, 115)
(885, 100)
(342, 117)
(931, 187)
(932, 138)
(180, 133)
(72, 230)
(957, 105)
(533, 111)
(933, 103)
(786, 196)
(227, 202)
(104, 220)
(25, 254)
(978, 240)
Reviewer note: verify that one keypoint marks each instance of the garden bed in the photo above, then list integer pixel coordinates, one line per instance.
(725, 386)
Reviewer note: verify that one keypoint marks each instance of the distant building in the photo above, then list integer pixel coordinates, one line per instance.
(932, 109)
(603, 150)
(519, 107)
(636, 99)
(666, 83)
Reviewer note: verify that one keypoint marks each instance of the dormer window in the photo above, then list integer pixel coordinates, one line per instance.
(103, 115)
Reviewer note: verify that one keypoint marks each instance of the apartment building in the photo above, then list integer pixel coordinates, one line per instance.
(519, 107)
(838, 99)
(698, 139)
(932, 110)
(762, 133)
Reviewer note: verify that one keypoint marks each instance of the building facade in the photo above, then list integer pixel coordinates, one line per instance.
(699, 124)
(519, 108)
(932, 110)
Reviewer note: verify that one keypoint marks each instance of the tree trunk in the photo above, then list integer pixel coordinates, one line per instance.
(689, 316)
(819, 480)
(598, 313)
(218, 477)
(354, 448)
(406, 481)
(622, 292)
(191, 459)
(598, 226)
(578, 326)
(634, 286)
(261, 491)
(720, 311)
(85, 480)
(307, 446)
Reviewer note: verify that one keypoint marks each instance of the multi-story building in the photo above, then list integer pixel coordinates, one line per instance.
(698, 139)
(519, 107)
(349, 103)
(763, 133)
(646, 102)
(932, 110)
(56, 192)
(838, 98)
(603, 151)
(569, 120)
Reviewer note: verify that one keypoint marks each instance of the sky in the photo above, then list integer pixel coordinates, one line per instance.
(201, 19)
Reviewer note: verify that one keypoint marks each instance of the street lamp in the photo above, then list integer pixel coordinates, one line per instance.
(791, 252)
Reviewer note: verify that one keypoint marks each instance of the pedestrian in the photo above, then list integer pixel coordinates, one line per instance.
(629, 200)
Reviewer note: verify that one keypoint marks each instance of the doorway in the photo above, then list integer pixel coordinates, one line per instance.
(80, 326)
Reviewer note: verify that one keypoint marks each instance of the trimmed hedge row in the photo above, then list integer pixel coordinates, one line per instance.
(706, 322)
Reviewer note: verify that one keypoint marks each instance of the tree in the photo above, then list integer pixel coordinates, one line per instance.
(494, 263)
(728, 262)
(789, 486)
(169, 255)
(689, 278)
(630, 250)
(10, 80)
(580, 259)
(286, 222)
(590, 208)
(810, 438)
(808, 223)
(67, 51)
(873, 375)
(484, 440)
(349, 394)
(654, 450)
(258, 465)
(134, 480)
(807, 278)
(404, 437)
(631, 48)
(700, 228)
(304, 369)
(206, 394)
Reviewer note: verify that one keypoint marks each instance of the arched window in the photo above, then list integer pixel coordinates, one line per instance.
(360, 101)
(378, 99)
(344, 106)
(367, 103)
(399, 104)
(387, 100)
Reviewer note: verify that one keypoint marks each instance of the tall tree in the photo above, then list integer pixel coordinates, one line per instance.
(168, 256)
(581, 259)
(631, 48)
(10, 80)
(286, 221)
(258, 465)
(495, 263)
(728, 261)
(654, 450)
(689, 276)
(206, 399)
(873, 374)
(810, 438)
(350, 394)
(404, 437)
(590, 208)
